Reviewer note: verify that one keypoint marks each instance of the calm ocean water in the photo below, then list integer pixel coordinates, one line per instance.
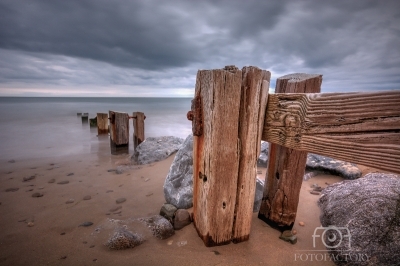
(48, 127)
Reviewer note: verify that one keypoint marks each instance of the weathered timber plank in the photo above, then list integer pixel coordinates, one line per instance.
(255, 86)
(285, 166)
(138, 128)
(362, 128)
(102, 123)
(119, 128)
(216, 160)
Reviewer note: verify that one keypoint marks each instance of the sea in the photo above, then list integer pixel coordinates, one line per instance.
(43, 127)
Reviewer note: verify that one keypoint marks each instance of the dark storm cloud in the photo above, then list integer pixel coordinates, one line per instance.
(161, 44)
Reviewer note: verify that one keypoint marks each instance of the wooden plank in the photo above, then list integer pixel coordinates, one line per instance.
(119, 132)
(102, 123)
(216, 160)
(286, 166)
(255, 86)
(138, 128)
(362, 128)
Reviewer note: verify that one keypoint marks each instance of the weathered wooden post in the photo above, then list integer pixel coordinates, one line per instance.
(85, 118)
(286, 166)
(119, 132)
(222, 201)
(138, 128)
(102, 123)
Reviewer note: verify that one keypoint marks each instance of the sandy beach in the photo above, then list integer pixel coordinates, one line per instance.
(45, 230)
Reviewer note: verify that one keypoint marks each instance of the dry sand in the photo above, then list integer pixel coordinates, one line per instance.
(45, 230)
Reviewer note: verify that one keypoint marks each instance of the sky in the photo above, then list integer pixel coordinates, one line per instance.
(154, 48)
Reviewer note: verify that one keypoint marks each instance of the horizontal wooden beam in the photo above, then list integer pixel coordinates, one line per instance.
(362, 128)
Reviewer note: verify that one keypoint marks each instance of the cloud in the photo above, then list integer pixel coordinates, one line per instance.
(156, 47)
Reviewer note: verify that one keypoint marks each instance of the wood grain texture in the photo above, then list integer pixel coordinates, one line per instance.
(216, 155)
(286, 166)
(362, 128)
(255, 86)
(119, 128)
(102, 123)
(138, 128)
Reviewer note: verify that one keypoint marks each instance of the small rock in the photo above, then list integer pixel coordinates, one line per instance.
(294, 232)
(51, 181)
(30, 224)
(301, 223)
(70, 201)
(29, 190)
(86, 224)
(11, 161)
(288, 237)
(123, 239)
(169, 243)
(28, 178)
(37, 195)
(87, 197)
(159, 226)
(111, 170)
(120, 200)
(13, 189)
(181, 243)
(315, 192)
(115, 208)
(92, 246)
(70, 174)
(63, 182)
(168, 212)
(63, 233)
(108, 191)
(63, 257)
(182, 218)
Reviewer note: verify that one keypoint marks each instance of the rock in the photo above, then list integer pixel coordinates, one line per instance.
(181, 219)
(156, 149)
(258, 195)
(37, 195)
(28, 178)
(70, 201)
(87, 197)
(178, 185)
(116, 208)
(301, 223)
(12, 189)
(120, 169)
(51, 181)
(63, 182)
(30, 224)
(11, 161)
(159, 226)
(288, 236)
(168, 212)
(366, 212)
(120, 200)
(263, 158)
(123, 239)
(70, 174)
(335, 167)
(86, 224)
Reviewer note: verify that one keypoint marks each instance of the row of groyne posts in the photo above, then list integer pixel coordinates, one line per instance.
(232, 112)
(117, 125)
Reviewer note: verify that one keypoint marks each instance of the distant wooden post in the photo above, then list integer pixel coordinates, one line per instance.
(138, 128)
(85, 118)
(102, 123)
(286, 166)
(119, 132)
(223, 201)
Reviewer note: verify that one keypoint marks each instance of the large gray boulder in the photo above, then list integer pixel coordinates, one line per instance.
(178, 186)
(156, 149)
(366, 212)
(332, 166)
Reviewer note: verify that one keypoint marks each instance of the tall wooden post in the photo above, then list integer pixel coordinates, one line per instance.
(227, 115)
(119, 132)
(286, 166)
(102, 123)
(138, 128)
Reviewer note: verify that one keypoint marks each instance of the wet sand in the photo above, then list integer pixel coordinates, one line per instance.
(45, 230)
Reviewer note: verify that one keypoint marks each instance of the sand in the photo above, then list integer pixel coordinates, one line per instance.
(45, 230)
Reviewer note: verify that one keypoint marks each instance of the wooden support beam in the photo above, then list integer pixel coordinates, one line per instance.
(138, 128)
(362, 128)
(102, 123)
(255, 86)
(286, 166)
(119, 132)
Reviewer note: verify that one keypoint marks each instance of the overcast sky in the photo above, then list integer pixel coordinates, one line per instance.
(155, 47)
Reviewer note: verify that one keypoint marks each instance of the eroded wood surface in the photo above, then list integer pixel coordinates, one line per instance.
(119, 128)
(138, 128)
(102, 123)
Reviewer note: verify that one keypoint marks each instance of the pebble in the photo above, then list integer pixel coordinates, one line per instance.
(63, 182)
(108, 191)
(11, 161)
(116, 208)
(92, 246)
(30, 224)
(111, 170)
(29, 190)
(315, 192)
(86, 224)
(87, 197)
(51, 181)
(70, 174)
(294, 232)
(13, 189)
(70, 201)
(28, 178)
(301, 223)
(37, 195)
(289, 237)
(120, 200)
(63, 233)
